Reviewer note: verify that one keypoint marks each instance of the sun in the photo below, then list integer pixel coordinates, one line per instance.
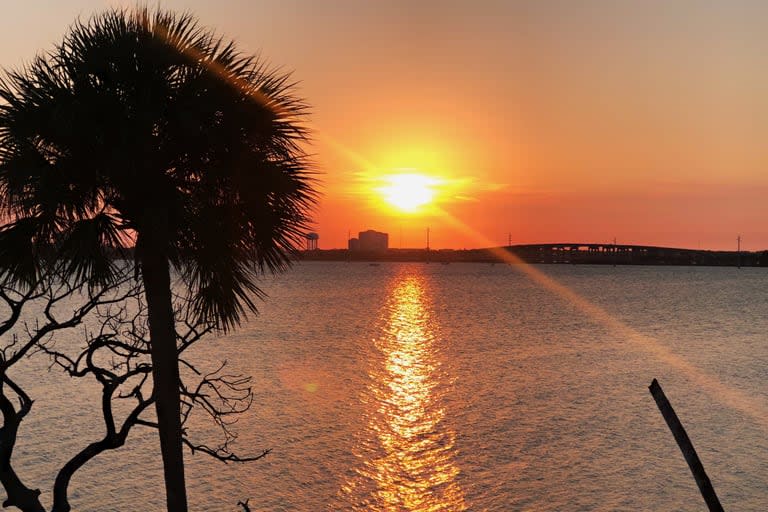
(408, 192)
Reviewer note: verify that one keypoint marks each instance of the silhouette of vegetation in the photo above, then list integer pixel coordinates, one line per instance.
(145, 128)
(51, 293)
(117, 355)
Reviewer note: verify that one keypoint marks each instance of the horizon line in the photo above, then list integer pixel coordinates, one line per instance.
(551, 244)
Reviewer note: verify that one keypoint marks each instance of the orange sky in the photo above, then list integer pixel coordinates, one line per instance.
(550, 120)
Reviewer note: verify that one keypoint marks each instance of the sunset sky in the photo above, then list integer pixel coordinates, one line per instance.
(552, 121)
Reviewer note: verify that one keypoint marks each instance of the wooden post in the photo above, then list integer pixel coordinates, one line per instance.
(684, 442)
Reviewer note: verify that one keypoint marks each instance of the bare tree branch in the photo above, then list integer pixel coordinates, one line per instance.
(116, 354)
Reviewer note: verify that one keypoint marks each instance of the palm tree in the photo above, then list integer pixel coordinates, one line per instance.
(144, 128)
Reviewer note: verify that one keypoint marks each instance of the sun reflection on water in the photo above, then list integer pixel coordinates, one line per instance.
(406, 450)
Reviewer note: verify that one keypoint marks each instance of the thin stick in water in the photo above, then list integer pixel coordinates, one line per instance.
(686, 446)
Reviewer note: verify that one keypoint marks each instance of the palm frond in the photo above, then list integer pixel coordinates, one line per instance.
(87, 249)
(140, 116)
(20, 253)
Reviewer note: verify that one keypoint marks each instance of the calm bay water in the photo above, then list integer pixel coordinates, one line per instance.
(421, 387)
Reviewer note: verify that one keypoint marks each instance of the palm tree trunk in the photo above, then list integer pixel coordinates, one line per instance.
(165, 372)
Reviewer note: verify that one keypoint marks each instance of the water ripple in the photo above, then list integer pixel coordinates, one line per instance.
(406, 452)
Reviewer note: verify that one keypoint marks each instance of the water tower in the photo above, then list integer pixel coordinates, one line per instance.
(312, 239)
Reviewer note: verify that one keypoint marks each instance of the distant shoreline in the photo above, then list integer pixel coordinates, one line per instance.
(563, 253)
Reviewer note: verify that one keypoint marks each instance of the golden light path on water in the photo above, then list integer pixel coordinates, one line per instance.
(727, 395)
(406, 450)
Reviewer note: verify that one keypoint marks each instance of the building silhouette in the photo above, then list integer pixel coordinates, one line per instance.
(369, 241)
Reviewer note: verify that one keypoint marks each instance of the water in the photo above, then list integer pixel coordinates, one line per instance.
(414, 387)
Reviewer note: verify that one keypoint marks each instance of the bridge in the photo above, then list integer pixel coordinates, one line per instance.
(564, 253)
(622, 254)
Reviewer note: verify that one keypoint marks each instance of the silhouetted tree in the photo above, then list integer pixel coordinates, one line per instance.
(47, 294)
(144, 127)
(117, 355)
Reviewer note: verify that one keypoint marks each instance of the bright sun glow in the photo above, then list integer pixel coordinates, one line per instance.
(408, 192)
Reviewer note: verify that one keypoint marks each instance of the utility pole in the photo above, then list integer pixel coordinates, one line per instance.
(738, 251)
(509, 240)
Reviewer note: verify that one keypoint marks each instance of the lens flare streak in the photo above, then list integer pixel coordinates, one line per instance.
(717, 389)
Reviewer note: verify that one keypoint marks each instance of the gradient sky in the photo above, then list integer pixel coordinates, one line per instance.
(551, 121)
